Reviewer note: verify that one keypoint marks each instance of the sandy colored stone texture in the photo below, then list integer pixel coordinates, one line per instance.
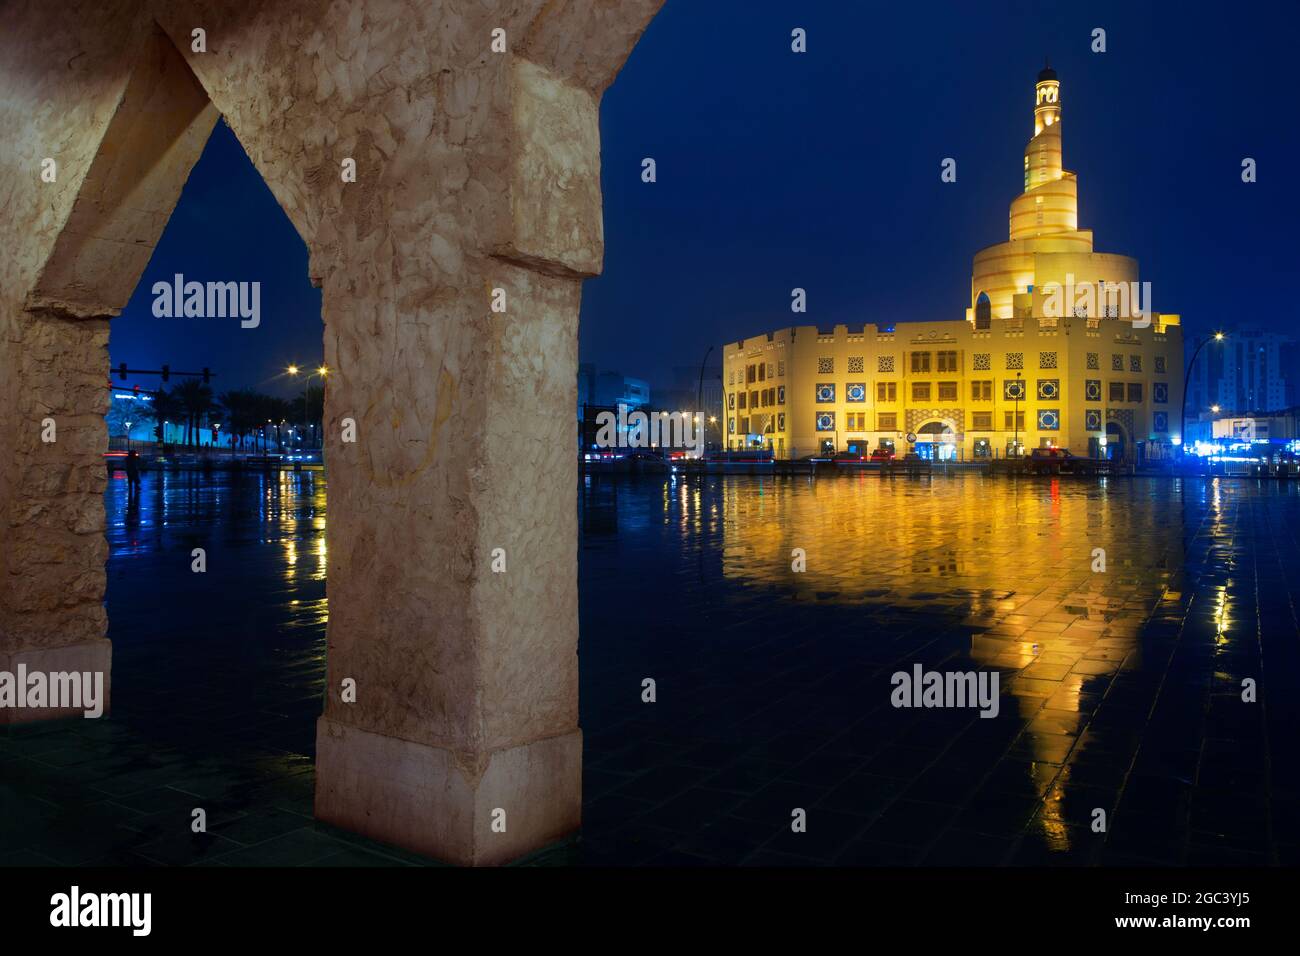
(475, 171)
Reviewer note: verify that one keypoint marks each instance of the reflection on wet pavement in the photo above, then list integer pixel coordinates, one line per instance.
(1121, 688)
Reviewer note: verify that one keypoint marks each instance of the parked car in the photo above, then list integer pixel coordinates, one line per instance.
(1059, 461)
(882, 454)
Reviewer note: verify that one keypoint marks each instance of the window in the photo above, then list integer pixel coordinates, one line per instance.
(1116, 363)
(983, 361)
(1015, 360)
(762, 371)
(825, 392)
(982, 421)
(1094, 360)
(743, 397)
(886, 391)
(1135, 391)
(1014, 420)
(920, 391)
(981, 391)
(751, 374)
(947, 391)
(920, 361)
(947, 361)
(1047, 360)
(753, 399)
(857, 422)
(887, 421)
(1135, 363)
(884, 363)
(1160, 364)
(984, 308)
(1116, 391)
(825, 366)
(855, 364)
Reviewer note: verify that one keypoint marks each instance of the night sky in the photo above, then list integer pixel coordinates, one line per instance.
(821, 170)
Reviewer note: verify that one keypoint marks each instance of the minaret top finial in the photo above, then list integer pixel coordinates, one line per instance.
(1046, 73)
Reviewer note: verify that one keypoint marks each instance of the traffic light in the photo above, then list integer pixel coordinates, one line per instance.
(166, 373)
(121, 371)
(206, 376)
(135, 390)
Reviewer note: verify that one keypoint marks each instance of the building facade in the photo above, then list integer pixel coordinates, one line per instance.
(1252, 370)
(1059, 347)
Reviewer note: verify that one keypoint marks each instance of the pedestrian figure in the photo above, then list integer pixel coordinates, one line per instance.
(133, 471)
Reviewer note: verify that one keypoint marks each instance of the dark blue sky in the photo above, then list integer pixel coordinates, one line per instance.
(821, 170)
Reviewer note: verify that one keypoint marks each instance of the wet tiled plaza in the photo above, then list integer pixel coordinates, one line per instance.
(1121, 688)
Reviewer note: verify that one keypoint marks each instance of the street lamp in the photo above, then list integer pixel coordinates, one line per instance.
(322, 371)
(1187, 378)
(128, 436)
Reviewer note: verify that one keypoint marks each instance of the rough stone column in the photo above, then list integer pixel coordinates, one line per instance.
(105, 98)
(466, 457)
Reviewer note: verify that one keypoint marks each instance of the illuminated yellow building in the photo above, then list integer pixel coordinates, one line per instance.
(1059, 346)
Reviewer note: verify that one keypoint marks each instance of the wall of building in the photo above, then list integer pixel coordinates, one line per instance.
(873, 384)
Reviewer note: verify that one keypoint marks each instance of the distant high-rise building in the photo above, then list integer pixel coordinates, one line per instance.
(1251, 370)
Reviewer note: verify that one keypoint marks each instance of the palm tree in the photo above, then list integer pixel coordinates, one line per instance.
(166, 408)
(196, 401)
(242, 411)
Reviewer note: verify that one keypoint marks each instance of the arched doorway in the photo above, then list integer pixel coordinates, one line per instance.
(936, 441)
(454, 719)
(1115, 444)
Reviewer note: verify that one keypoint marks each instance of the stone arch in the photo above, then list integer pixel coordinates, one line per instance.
(476, 172)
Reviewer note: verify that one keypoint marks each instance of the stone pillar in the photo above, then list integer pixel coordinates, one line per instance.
(106, 100)
(452, 531)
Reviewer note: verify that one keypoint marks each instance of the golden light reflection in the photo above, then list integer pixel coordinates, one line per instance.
(1014, 566)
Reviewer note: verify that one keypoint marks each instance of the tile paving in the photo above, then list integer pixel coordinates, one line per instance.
(1120, 690)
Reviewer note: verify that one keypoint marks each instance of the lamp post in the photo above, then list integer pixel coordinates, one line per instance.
(322, 371)
(128, 436)
(1187, 378)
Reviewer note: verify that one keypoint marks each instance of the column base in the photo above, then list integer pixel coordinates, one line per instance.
(423, 798)
(92, 656)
